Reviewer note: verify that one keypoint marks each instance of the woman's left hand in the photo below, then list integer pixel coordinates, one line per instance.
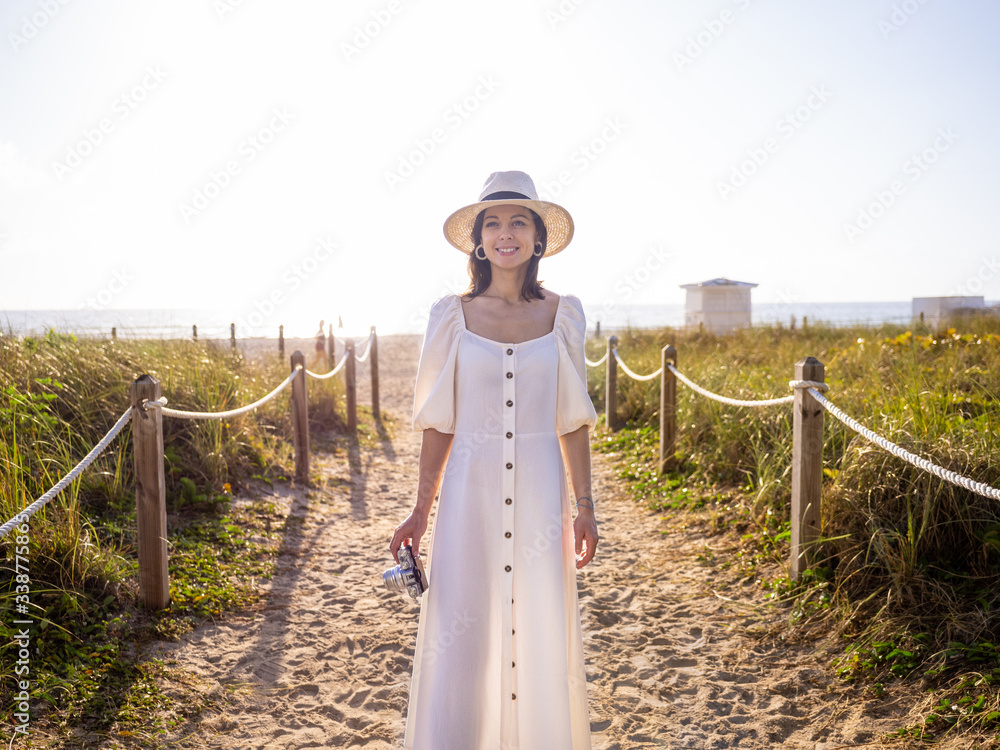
(585, 531)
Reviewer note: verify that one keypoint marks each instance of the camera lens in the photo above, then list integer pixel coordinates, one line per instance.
(393, 579)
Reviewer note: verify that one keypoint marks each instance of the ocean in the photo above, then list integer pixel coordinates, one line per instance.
(213, 324)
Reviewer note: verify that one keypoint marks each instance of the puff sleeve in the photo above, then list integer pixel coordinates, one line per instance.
(573, 405)
(434, 389)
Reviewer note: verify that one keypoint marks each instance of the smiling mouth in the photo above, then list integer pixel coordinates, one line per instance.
(506, 250)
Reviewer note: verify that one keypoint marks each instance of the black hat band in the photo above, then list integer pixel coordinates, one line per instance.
(505, 194)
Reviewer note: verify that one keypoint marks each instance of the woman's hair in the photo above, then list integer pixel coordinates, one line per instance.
(481, 272)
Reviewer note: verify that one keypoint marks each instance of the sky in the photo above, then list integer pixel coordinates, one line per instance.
(291, 161)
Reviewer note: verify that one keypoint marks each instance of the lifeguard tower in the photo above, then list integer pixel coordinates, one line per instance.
(936, 310)
(719, 305)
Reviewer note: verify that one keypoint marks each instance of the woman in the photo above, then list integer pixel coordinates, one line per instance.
(320, 357)
(501, 398)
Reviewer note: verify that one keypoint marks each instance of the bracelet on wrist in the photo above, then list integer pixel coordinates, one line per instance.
(585, 505)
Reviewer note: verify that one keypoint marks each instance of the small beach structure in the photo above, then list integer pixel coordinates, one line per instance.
(720, 305)
(936, 310)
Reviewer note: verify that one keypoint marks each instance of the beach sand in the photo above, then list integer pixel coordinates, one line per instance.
(679, 653)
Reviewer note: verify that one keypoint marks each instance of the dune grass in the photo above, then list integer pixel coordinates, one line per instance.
(59, 395)
(908, 571)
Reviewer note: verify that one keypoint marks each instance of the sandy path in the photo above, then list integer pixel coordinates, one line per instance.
(327, 662)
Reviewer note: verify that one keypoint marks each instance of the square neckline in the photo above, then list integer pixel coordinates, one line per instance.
(461, 315)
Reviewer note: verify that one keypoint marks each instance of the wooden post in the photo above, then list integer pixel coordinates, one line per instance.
(281, 342)
(351, 387)
(597, 331)
(611, 391)
(807, 467)
(232, 335)
(150, 494)
(330, 341)
(373, 365)
(668, 409)
(791, 326)
(805, 321)
(114, 334)
(300, 419)
(194, 332)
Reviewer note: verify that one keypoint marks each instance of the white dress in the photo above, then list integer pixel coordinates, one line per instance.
(499, 656)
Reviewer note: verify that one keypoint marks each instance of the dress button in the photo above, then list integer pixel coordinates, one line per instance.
(507, 568)
(510, 465)
(509, 501)
(510, 434)
(510, 351)
(509, 402)
(510, 375)
(513, 696)
(512, 631)
(512, 664)
(508, 536)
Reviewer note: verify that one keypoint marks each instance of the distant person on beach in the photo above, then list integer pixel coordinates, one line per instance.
(501, 399)
(320, 350)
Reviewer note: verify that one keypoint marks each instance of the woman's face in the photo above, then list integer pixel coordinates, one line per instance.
(508, 235)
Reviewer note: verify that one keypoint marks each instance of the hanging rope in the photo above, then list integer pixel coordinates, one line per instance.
(724, 399)
(160, 404)
(25, 514)
(598, 363)
(334, 371)
(368, 348)
(921, 463)
(629, 372)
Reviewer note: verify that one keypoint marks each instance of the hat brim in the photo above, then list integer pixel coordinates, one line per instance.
(558, 223)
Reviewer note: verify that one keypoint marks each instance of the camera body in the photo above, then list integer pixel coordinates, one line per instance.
(408, 576)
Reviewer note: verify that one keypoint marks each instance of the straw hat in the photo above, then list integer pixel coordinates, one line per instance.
(510, 188)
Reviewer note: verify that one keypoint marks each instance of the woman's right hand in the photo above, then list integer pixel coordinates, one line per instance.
(408, 532)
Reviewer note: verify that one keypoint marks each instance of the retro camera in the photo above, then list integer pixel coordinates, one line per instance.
(408, 576)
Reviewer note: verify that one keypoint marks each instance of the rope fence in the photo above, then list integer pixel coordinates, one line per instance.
(28, 512)
(161, 405)
(921, 463)
(726, 400)
(334, 371)
(147, 410)
(809, 405)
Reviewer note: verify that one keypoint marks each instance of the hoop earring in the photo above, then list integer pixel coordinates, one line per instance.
(477, 251)
(539, 249)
